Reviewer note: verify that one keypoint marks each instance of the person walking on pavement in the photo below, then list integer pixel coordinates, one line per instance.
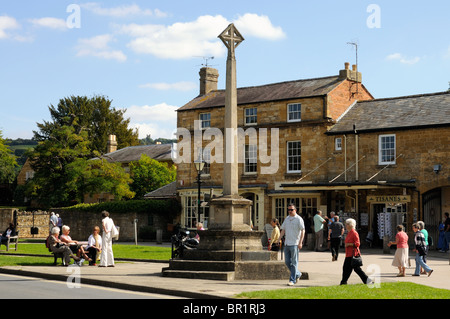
(294, 229)
(446, 241)
(335, 233)
(420, 249)
(352, 244)
(402, 253)
(318, 229)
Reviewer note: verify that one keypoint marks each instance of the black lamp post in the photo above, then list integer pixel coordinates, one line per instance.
(199, 164)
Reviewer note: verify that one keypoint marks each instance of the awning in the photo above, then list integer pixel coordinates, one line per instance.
(347, 185)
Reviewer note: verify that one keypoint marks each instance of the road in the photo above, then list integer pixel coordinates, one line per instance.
(18, 287)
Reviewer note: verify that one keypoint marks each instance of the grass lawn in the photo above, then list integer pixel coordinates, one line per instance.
(398, 290)
(10, 258)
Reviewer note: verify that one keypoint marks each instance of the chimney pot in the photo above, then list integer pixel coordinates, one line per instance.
(354, 67)
(347, 65)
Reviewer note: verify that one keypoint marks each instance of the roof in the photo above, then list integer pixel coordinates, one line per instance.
(270, 92)
(159, 152)
(405, 112)
(166, 191)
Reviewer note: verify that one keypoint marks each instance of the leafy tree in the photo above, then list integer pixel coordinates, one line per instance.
(149, 174)
(50, 161)
(77, 132)
(8, 163)
(93, 176)
(93, 115)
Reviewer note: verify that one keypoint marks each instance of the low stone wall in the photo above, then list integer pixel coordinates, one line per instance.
(81, 223)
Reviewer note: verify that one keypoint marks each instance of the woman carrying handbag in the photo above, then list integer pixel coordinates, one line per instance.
(107, 256)
(353, 259)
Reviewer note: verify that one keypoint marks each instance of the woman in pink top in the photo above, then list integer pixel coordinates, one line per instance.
(401, 254)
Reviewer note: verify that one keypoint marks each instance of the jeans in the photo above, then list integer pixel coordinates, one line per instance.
(291, 260)
(446, 241)
(421, 263)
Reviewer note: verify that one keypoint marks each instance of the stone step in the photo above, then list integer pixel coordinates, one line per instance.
(230, 255)
(210, 275)
(201, 265)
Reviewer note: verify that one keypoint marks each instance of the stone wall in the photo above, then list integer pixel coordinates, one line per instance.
(82, 223)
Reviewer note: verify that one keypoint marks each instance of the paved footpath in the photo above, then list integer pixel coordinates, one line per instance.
(146, 276)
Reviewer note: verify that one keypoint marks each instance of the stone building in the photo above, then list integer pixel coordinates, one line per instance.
(329, 145)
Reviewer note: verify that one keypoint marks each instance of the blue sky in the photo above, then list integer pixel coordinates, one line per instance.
(145, 55)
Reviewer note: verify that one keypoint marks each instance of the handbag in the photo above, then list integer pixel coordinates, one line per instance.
(114, 232)
(356, 260)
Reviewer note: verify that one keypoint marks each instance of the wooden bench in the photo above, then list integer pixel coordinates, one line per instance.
(14, 240)
(55, 255)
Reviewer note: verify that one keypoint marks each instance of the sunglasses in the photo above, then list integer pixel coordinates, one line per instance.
(290, 210)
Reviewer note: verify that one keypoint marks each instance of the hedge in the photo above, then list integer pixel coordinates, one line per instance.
(137, 206)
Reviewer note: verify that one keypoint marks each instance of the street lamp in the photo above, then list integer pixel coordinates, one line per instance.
(199, 164)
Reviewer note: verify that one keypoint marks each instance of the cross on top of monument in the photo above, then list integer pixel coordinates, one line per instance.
(231, 38)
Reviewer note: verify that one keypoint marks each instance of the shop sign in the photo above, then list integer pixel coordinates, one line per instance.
(389, 199)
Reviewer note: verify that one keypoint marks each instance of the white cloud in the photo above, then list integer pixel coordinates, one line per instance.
(98, 46)
(49, 22)
(7, 23)
(184, 40)
(122, 11)
(402, 59)
(158, 120)
(258, 26)
(178, 86)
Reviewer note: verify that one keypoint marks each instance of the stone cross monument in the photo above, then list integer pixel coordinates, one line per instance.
(230, 212)
(229, 249)
(231, 38)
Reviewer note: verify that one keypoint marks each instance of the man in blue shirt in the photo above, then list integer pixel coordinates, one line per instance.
(294, 229)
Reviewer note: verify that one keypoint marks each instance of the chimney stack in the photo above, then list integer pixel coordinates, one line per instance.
(351, 75)
(208, 80)
(112, 144)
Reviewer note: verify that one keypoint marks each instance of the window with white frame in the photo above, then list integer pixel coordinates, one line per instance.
(338, 144)
(294, 163)
(386, 149)
(191, 216)
(306, 206)
(205, 120)
(250, 165)
(250, 116)
(294, 112)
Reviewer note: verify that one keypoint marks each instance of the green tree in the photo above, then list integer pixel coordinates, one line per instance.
(93, 176)
(149, 174)
(8, 163)
(78, 131)
(93, 115)
(50, 161)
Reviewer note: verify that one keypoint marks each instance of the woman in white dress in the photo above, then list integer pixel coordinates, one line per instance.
(107, 256)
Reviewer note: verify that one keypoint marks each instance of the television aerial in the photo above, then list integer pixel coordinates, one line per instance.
(206, 60)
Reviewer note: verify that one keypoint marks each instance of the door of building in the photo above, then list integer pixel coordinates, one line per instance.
(432, 213)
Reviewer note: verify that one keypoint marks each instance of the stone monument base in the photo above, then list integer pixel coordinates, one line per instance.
(229, 255)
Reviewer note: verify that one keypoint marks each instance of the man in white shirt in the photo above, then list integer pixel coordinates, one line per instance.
(294, 229)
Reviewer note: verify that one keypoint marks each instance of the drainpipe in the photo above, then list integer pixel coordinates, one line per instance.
(345, 157)
(356, 153)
